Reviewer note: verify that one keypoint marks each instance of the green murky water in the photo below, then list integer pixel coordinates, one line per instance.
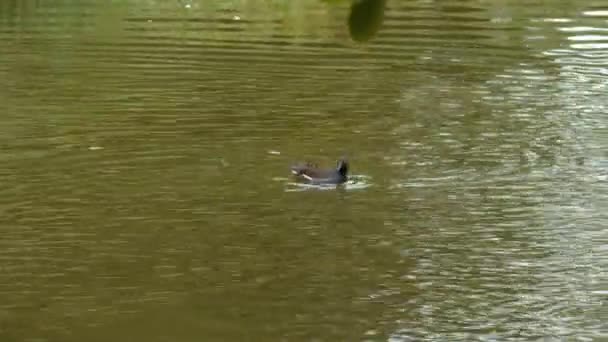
(145, 191)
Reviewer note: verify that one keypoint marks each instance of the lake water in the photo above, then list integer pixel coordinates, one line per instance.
(145, 192)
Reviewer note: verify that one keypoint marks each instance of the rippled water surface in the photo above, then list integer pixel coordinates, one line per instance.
(145, 192)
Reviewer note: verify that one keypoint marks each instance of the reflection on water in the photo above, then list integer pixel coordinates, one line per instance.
(145, 155)
(355, 182)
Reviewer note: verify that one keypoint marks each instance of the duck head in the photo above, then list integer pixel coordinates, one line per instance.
(342, 167)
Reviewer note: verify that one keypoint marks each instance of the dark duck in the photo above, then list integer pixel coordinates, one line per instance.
(315, 175)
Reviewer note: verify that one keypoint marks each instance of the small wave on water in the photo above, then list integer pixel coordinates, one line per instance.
(355, 182)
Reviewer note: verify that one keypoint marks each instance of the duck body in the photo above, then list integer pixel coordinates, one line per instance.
(315, 175)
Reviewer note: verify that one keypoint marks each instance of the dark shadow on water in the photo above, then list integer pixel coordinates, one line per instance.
(365, 19)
